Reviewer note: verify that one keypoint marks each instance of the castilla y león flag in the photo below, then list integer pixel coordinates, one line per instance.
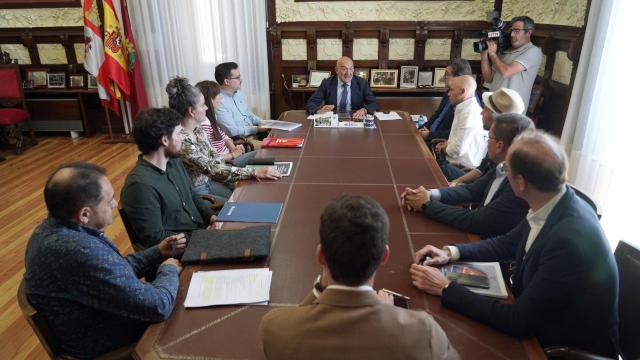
(94, 48)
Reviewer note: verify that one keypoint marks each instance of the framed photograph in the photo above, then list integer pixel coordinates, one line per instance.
(76, 81)
(299, 80)
(316, 77)
(92, 83)
(27, 84)
(38, 76)
(56, 80)
(384, 77)
(408, 77)
(425, 78)
(362, 72)
(438, 77)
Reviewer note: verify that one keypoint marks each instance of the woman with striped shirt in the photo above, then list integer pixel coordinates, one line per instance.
(223, 145)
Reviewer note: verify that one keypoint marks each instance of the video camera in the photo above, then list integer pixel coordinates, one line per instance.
(499, 34)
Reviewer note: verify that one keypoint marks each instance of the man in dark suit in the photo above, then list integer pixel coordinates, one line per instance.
(343, 317)
(344, 92)
(439, 125)
(497, 209)
(565, 280)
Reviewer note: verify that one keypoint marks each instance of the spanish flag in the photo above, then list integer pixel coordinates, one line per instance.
(116, 50)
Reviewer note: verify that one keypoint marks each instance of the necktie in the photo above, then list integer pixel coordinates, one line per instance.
(343, 98)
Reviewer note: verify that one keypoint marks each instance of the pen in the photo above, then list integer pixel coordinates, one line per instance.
(396, 294)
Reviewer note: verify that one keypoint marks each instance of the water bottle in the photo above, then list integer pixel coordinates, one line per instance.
(421, 121)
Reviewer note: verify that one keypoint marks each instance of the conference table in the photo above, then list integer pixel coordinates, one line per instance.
(378, 163)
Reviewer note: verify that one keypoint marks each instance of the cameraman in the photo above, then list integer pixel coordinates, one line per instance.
(517, 67)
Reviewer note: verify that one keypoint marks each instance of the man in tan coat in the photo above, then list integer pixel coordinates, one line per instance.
(343, 317)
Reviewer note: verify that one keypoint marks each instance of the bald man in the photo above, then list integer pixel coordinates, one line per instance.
(565, 279)
(343, 92)
(466, 145)
(90, 295)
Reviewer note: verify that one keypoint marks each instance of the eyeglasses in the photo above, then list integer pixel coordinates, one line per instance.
(488, 137)
(517, 31)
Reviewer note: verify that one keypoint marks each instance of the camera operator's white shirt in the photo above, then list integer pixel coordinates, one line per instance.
(467, 145)
(530, 56)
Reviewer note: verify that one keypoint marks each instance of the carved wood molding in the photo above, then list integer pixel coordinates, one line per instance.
(31, 37)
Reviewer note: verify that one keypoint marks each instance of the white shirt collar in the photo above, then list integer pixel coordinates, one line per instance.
(539, 217)
(351, 288)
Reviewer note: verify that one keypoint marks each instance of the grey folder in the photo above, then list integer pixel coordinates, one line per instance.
(245, 244)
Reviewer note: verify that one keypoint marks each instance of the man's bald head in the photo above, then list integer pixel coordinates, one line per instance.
(344, 69)
(344, 61)
(72, 187)
(461, 88)
(539, 158)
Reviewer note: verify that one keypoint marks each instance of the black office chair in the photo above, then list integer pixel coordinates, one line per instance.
(588, 200)
(135, 241)
(628, 260)
(48, 340)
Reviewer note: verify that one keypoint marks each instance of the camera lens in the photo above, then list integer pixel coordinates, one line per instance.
(479, 46)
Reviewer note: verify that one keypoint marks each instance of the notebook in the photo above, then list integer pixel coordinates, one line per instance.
(259, 212)
(213, 245)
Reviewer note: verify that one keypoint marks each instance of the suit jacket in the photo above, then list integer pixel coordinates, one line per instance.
(501, 214)
(327, 93)
(351, 324)
(444, 126)
(566, 285)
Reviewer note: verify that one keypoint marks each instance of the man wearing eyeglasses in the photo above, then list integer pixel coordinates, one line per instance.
(517, 67)
(343, 92)
(497, 210)
(233, 112)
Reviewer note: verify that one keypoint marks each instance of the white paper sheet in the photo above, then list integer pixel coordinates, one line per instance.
(280, 125)
(227, 287)
(390, 116)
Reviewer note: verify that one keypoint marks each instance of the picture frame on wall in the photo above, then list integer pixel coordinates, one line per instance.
(38, 76)
(408, 77)
(425, 79)
(299, 80)
(362, 72)
(438, 77)
(316, 77)
(92, 83)
(387, 78)
(56, 80)
(76, 81)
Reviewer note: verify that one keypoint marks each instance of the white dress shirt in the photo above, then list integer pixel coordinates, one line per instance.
(536, 221)
(467, 145)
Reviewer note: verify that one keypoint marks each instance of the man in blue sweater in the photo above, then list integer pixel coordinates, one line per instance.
(89, 294)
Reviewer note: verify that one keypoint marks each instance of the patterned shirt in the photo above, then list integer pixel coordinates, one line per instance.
(90, 295)
(202, 162)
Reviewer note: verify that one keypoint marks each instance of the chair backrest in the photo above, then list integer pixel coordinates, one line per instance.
(11, 81)
(628, 260)
(135, 241)
(288, 98)
(37, 323)
(588, 200)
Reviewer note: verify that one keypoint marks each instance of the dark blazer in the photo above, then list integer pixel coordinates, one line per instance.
(566, 287)
(327, 94)
(444, 127)
(502, 214)
(349, 324)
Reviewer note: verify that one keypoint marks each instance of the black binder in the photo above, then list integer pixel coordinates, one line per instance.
(247, 244)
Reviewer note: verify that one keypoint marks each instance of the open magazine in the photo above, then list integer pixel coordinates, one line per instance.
(484, 278)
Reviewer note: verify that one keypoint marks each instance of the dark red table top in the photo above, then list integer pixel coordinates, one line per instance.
(375, 162)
